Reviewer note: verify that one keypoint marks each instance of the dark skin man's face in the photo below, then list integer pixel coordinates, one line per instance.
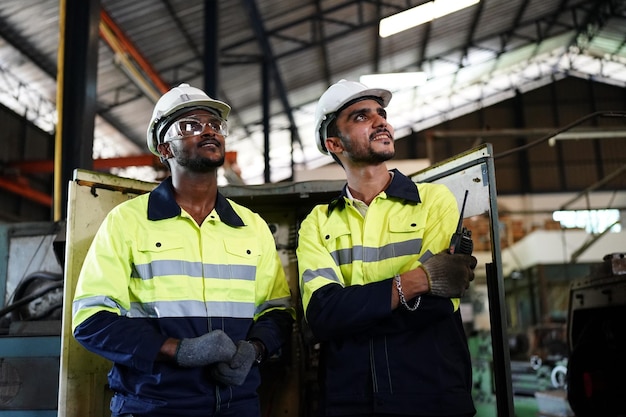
(198, 153)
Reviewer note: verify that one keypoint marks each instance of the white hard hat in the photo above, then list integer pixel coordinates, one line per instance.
(338, 96)
(175, 102)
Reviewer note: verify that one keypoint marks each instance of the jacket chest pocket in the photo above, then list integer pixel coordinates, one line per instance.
(406, 234)
(239, 268)
(338, 241)
(160, 268)
(241, 257)
(160, 255)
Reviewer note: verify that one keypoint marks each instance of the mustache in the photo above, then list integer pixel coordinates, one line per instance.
(212, 140)
(379, 131)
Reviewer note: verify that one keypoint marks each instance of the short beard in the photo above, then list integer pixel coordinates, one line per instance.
(200, 165)
(367, 156)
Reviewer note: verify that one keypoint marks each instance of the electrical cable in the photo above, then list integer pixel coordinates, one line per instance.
(29, 298)
(609, 113)
(56, 282)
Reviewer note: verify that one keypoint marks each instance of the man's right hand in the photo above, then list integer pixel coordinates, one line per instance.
(209, 348)
(449, 275)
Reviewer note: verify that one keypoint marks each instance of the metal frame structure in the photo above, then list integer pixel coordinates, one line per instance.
(474, 171)
(486, 61)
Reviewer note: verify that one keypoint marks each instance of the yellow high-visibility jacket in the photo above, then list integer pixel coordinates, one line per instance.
(152, 272)
(375, 359)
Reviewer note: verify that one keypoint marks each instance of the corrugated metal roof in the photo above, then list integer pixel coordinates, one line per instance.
(469, 56)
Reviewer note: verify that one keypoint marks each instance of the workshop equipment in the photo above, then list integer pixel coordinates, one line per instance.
(597, 340)
(31, 286)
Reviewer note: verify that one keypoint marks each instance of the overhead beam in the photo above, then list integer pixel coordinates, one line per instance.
(319, 33)
(478, 10)
(364, 21)
(268, 56)
(21, 187)
(561, 130)
(468, 41)
(618, 173)
(577, 134)
(26, 48)
(145, 76)
(47, 166)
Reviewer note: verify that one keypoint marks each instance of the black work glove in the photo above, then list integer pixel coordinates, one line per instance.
(449, 275)
(214, 346)
(235, 371)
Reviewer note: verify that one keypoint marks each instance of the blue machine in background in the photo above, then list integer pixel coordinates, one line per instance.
(31, 297)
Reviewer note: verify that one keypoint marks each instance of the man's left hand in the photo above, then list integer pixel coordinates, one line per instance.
(236, 371)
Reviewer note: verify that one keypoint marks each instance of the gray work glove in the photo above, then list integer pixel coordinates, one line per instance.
(214, 346)
(235, 371)
(449, 275)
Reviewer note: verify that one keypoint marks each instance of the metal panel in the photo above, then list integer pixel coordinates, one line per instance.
(26, 249)
(474, 171)
(29, 371)
(28, 384)
(29, 350)
(82, 381)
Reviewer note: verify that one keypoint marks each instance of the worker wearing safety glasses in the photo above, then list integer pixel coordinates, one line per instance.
(182, 289)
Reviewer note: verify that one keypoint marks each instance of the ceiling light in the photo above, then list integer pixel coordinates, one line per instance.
(420, 14)
(394, 80)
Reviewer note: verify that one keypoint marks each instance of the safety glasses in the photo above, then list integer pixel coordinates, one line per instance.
(194, 125)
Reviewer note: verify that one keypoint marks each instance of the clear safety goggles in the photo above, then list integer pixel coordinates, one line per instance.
(195, 125)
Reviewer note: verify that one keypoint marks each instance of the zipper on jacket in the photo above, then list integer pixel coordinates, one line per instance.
(373, 367)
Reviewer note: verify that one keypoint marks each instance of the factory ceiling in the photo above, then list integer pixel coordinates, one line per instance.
(276, 57)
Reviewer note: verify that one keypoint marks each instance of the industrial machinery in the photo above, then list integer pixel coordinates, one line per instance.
(529, 379)
(597, 340)
(31, 287)
(569, 367)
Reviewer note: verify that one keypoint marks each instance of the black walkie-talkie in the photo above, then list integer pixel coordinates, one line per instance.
(461, 241)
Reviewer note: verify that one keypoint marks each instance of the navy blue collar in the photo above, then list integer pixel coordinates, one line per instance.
(401, 187)
(162, 205)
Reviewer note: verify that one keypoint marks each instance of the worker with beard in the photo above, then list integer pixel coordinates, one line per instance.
(380, 291)
(182, 289)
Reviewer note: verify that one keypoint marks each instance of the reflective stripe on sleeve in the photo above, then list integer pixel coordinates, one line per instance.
(97, 301)
(176, 308)
(284, 302)
(327, 273)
